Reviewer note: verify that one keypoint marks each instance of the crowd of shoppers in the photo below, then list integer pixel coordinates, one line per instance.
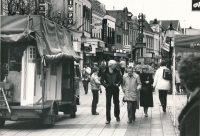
(138, 83)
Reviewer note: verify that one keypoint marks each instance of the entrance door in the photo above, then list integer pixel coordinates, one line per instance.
(67, 80)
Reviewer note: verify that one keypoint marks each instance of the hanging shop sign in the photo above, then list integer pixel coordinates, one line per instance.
(101, 44)
(70, 11)
(140, 45)
(148, 50)
(104, 37)
(42, 7)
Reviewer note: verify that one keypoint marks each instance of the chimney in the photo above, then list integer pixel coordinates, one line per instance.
(114, 7)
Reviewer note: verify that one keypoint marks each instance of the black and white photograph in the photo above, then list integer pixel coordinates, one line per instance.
(99, 67)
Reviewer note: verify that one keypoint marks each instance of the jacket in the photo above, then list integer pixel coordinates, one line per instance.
(130, 85)
(94, 81)
(189, 117)
(109, 80)
(159, 82)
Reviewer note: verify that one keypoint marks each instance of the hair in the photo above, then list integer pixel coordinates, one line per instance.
(95, 69)
(189, 73)
(163, 63)
(111, 62)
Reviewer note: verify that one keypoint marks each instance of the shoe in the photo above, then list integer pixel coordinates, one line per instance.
(107, 122)
(164, 109)
(95, 113)
(134, 119)
(146, 115)
(129, 122)
(118, 119)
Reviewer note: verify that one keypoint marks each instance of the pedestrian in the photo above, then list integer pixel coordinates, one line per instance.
(138, 67)
(189, 116)
(111, 79)
(131, 85)
(86, 77)
(163, 85)
(95, 87)
(123, 66)
(146, 96)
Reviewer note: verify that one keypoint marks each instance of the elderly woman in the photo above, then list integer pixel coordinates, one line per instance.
(189, 71)
(146, 96)
(131, 85)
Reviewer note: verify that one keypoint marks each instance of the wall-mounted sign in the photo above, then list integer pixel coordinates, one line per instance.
(148, 50)
(101, 44)
(104, 34)
(70, 12)
(140, 45)
(195, 5)
(42, 7)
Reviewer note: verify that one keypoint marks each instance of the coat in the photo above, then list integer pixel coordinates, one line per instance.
(159, 82)
(146, 96)
(189, 117)
(130, 86)
(111, 81)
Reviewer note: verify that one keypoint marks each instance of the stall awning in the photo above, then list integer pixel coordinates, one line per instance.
(53, 41)
(187, 43)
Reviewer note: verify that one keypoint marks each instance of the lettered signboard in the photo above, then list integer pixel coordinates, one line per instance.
(70, 12)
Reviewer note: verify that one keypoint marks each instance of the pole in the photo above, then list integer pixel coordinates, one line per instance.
(174, 87)
(170, 54)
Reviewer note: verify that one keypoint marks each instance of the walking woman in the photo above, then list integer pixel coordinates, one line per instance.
(146, 97)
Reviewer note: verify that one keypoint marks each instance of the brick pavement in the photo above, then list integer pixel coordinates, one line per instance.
(85, 124)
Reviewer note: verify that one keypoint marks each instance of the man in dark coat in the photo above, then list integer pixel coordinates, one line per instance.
(146, 96)
(190, 75)
(111, 80)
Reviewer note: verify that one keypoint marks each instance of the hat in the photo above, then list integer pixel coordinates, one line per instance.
(111, 62)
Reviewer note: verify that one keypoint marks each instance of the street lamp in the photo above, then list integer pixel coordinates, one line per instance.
(83, 40)
(170, 34)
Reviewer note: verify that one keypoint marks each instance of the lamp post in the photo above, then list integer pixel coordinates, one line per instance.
(83, 40)
(170, 34)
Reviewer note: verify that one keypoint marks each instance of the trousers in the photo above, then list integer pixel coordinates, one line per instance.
(85, 86)
(115, 94)
(163, 97)
(131, 108)
(95, 100)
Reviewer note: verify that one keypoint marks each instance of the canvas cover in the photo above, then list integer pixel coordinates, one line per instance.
(187, 43)
(52, 40)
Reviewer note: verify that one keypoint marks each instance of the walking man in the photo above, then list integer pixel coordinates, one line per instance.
(131, 85)
(111, 80)
(162, 85)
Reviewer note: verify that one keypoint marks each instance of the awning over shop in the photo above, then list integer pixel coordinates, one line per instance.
(53, 41)
(187, 43)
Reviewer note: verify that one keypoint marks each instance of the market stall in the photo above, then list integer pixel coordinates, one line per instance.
(37, 58)
(184, 45)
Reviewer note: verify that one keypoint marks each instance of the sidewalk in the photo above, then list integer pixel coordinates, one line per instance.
(180, 101)
(86, 124)
(157, 124)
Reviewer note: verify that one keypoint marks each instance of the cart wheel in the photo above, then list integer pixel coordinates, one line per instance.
(73, 115)
(2, 122)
